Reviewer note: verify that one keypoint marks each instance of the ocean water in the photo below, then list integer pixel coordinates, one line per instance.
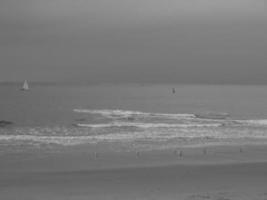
(130, 117)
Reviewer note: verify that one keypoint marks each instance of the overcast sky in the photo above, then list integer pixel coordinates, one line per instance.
(183, 41)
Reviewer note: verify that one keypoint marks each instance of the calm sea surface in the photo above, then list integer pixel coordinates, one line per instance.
(149, 116)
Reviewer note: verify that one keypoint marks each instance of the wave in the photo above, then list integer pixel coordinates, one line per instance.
(129, 113)
(245, 123)
(60, 140)
(183, 136)
(214, 119)
(146, 125)
(256, 122)
(151, 132)
(211, 115)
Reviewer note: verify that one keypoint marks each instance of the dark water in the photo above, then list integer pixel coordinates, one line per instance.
(193, 115)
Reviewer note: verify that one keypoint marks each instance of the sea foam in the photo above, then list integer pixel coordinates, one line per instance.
(128, 113)
(146, 125)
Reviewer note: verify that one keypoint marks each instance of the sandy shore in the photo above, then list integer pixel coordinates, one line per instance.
(220, 173)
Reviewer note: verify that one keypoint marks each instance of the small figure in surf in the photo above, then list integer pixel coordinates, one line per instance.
(173, 90)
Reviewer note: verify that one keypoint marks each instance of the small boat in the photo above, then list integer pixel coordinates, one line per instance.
(25, 86)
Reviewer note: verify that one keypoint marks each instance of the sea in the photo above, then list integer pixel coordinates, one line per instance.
(128, 117)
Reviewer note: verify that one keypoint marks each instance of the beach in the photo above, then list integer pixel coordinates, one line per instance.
(217, 173)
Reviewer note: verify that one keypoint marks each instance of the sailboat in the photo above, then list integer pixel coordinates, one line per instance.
(25, 86)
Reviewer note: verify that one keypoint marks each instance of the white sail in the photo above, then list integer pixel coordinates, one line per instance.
(25, 85)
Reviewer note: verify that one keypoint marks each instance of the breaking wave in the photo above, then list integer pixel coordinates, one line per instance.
(181, 135)
(126, 125)
(262, 122)
(128, 113)
(248, 123)
(146, 125)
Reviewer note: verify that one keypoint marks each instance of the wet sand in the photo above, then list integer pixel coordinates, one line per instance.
(218, 173)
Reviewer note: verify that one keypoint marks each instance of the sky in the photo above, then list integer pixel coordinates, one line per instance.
(142, 41)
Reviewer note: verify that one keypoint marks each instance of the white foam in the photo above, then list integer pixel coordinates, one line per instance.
(211, 115)
(83, 136)
(262, 122)
(255, 122)
(128, 113)
(156, 136)
(62, 140)
(146, 125)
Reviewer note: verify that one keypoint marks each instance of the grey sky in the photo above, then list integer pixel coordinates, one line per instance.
(188, 41)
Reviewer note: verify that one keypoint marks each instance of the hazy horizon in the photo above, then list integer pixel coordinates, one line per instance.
(126, 41)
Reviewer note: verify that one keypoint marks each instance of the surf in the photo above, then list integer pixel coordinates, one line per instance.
(129, 113)
(145, 125)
